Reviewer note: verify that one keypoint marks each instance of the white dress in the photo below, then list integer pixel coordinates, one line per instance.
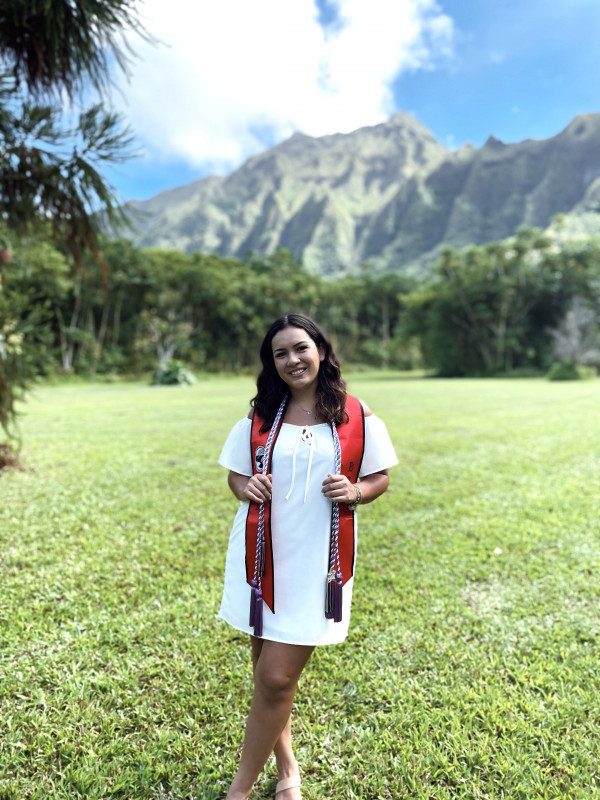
(300, 525)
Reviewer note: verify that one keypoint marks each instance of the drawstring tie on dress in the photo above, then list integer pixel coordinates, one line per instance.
(306, 437)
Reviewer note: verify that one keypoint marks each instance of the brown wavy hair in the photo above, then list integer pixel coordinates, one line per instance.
(331, 387)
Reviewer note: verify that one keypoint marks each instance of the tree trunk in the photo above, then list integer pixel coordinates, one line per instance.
(101, 336)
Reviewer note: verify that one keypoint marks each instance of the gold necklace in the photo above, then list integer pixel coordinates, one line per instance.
(303, 409)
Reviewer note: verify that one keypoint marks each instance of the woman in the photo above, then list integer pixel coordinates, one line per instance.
(301, 462)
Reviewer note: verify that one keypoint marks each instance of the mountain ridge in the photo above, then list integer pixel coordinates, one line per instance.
(388, 194)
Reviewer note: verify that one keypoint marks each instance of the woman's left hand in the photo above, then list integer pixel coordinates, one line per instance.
(339, 489)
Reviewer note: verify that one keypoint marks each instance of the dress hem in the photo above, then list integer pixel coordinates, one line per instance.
(248, 631)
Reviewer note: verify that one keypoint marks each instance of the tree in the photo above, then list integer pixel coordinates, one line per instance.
(50, 169)
(49, 172)
(26, 335)
(53, 46)
(576, 338)
(489, 308)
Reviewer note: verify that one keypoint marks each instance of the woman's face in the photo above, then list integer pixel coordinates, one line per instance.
(297, 358)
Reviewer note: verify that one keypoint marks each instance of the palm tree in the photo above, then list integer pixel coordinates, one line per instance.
(50, 166)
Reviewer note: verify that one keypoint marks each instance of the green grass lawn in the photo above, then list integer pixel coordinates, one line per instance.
(472, 669)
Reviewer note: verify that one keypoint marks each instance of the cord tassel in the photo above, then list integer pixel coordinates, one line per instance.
(258, 614)
(253, 593)
(329, 594)
(337, 598)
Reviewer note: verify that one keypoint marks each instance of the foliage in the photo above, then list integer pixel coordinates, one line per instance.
(25, 333)
(165, 334)
(569, 370)
(471, 669)
(576, 338)
(59, 48)
(363, 314)
(52, 172)
(173, 373)
(51, 168)
(505, 308)
(489, 309)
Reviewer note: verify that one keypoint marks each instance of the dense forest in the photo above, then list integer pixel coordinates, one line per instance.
(501, 308)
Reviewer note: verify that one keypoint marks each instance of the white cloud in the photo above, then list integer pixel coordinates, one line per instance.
(234, 77)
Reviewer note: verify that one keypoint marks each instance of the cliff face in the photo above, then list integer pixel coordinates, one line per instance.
(390, 195)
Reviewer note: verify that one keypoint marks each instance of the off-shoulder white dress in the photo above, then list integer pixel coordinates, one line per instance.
(300, 525)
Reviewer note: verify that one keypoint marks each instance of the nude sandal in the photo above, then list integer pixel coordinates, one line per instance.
(288, 783)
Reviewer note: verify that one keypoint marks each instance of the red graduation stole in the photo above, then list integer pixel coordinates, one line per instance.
(351, 434)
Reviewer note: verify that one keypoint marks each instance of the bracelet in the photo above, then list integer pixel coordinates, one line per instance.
(352, 506)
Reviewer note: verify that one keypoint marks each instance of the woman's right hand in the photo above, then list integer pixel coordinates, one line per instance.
(257, 489)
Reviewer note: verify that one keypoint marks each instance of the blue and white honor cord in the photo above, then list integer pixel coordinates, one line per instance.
(256, 598)
(333, 593)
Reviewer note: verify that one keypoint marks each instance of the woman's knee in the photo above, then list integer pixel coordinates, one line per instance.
(274, 681)
(278, 669)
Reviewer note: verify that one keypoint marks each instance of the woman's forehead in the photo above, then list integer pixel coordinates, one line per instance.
(288, 337)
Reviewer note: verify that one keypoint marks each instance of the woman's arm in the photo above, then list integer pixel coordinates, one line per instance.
(341, 490)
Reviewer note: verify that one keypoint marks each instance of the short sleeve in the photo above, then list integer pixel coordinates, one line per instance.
(236, 454)
(379, 451)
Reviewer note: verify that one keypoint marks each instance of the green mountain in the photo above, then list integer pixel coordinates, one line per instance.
(390, 195)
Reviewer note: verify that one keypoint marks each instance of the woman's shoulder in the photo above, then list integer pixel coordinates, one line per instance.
(235, 454)
(379, 450)
(241, 426)
(366, 410)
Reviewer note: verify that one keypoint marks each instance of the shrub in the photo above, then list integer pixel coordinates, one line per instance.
(173, 373)
(570, 370)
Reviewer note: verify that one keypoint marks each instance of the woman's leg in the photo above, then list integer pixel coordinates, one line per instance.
(277, 670)
(284, 754)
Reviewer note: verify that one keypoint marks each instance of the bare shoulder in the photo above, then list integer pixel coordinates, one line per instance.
(366, 409)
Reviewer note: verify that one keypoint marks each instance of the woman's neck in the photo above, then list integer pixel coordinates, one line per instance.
(302, 408)
(307, 399)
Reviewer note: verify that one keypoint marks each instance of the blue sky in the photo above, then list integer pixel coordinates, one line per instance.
(230, 81)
